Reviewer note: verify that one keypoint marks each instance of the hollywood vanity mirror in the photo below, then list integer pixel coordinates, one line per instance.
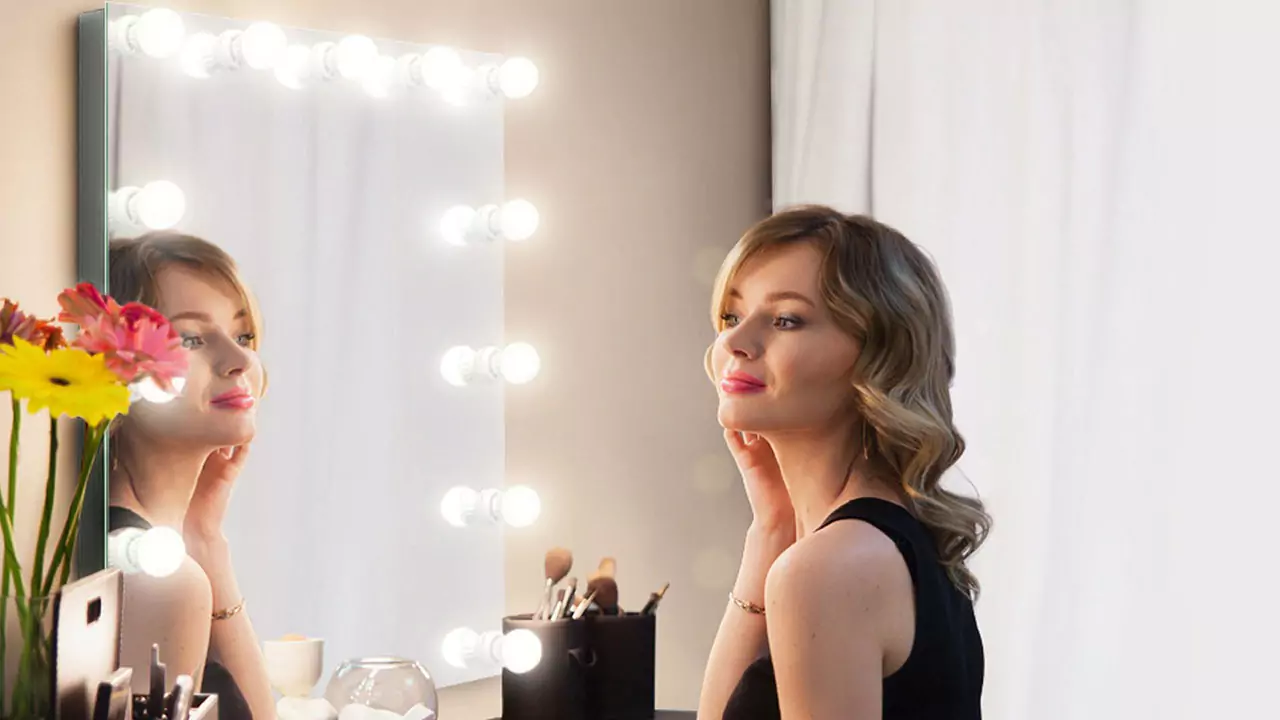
(357, 185)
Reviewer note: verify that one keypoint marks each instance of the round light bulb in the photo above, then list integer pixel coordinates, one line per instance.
(458, 645)
(294, 68)
(518, 220)
(521, 651)
(517, 77)
(458, 504)
(160, 205)
(456, 224)
(457, 365)
(148, 390)
(519, 363)
(354, 56)
(160, 551)
(520, 506)
(443, 69)
(159, 32)
(262, 45)
(197, 55)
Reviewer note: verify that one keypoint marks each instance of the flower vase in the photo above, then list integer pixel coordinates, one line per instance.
(26, 643)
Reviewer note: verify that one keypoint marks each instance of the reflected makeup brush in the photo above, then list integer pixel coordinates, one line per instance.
(654, 598)
(556, 566)
(583, 604)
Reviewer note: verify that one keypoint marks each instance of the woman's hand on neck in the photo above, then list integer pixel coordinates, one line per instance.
(154, 480)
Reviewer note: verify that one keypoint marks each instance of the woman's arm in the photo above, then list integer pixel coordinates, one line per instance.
(840, 607)
(172, 612)
(232, 640)
(742, 637)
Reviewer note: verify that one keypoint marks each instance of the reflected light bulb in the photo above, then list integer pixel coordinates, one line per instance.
(294, 68)
(518, 220)
(458, 365)
(160, 205)
(520, 650)
(157, 551)
(380, 77)
(458, 505)
(197, 56)
(456, 224)
(148, 390)
(354, 56)
(443, 69)
(517, 77)
(459, 645)
(158, 32)
(519, 363)
(262, 45)
(520, 506)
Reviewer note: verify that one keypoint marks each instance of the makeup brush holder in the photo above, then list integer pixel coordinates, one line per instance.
(600, 667)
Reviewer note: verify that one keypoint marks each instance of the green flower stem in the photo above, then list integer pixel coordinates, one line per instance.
(50, 487)
(62, 553)
(14, 430)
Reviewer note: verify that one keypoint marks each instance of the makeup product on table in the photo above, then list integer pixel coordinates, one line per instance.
(115, 697)
(654, 598)
(155, 699)
(605, 590)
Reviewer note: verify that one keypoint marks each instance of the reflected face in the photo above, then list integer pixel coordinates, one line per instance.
(224, 378)
(780, 362)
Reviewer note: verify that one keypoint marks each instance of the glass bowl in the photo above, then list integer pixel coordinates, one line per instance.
(382, 687)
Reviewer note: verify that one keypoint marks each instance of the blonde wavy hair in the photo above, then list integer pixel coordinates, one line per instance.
(886, 293)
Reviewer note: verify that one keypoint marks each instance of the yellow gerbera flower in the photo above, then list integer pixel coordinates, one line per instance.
(68, 381)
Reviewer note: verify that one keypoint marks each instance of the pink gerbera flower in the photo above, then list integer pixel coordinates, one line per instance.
(15, 323)
(135, 340)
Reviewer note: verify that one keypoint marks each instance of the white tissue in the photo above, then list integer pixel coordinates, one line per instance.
(419, 712)
(296, 708)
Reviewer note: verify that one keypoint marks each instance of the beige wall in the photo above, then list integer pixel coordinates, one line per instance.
(646, 148)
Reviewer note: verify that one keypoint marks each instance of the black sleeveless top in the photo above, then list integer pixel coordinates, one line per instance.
(217, 680)
(942, 677)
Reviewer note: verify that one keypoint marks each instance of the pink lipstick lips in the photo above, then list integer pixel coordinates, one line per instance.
(740, 383)
(233, 400)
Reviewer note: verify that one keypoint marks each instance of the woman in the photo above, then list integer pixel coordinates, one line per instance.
(833, 362)
(174, 464)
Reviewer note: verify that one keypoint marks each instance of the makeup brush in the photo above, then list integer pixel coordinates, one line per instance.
(556, 566)
(654, 598)
(608, 568)
(562, 611)
(583, 605)
(606, 591)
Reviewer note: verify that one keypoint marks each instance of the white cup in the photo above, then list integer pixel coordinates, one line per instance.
(294, 666)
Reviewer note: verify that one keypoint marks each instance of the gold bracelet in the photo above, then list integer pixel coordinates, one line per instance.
(229, 612)
(748, 606)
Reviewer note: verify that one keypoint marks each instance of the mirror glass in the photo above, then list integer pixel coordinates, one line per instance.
(357, 186)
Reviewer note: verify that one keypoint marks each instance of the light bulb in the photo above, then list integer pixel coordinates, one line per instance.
(518, 220)
(517, 77)
(458, 365)
(520, 506)
(157, 551)
(157, 205)
(518, 363)
(262, 45)
(294, 69)
(457, 223)
(157, 33)
(160, 205)
(458, 505)
(459, 645)
(148, 390)
(520, 651)
(442, 69)
(380, 77)
(354, 56)
(197, 58)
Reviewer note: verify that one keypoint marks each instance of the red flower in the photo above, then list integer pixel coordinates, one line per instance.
(135, 340)
(41, 333)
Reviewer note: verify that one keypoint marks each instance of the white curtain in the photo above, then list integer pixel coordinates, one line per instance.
(1094, 179)
(330, 200)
